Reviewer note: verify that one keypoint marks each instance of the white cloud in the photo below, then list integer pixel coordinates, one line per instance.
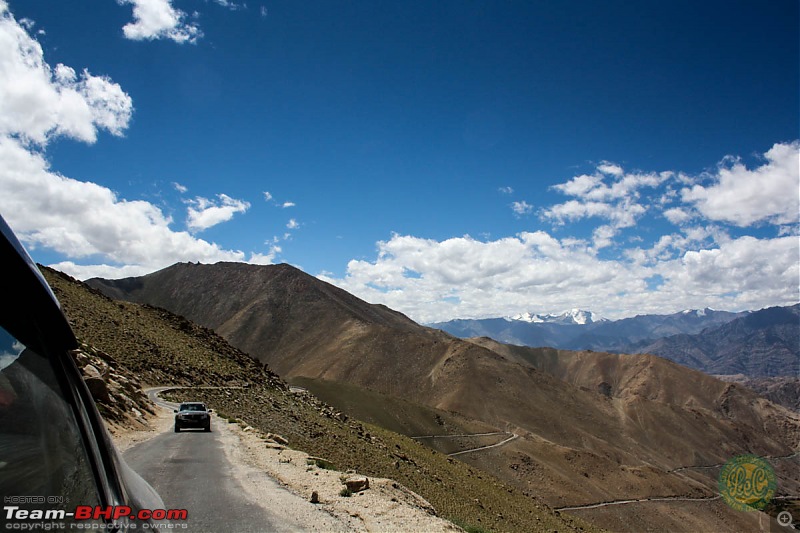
(38, 103)
(292, 224)
(158, 19)
(85, 220)
(594, 187)
(610, 193)
(79, 220)
(288, 204)
(205, 213)
(610, 168)
(622, 214)
(521, 208)
(263, 11)
(677, 215)
(744, 197)
(701, 265)
(27, 23)
(602, 236)
(180, 188)
(267, 196)
(228, 4)
(743, 273)
(506, 190)
(461, 277)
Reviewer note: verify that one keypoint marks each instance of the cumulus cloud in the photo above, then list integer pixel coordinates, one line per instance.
(79, 220)
(506, 190)
(267, 196)
(521, 208)
(740, 196)
(622, 214)
(677, 215)
(292, 224)
(702, 264)
(158, 19)
(180, 188)
(461, 277)
(205, 213)
(609, 193)
(27, 23)
(288, 204)
(602, 236)
(86, 220)
(610, 168)
(38, 103)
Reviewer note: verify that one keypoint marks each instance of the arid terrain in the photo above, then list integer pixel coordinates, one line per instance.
(160, 348)
(591, 428)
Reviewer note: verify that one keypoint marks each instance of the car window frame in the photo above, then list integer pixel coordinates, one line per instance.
(37, 312)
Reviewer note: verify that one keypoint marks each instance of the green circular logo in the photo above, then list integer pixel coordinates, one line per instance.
(747, 483)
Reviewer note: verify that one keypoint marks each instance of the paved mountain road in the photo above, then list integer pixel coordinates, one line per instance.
(193, 470)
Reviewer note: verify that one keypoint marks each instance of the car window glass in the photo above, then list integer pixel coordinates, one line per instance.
(43, 462)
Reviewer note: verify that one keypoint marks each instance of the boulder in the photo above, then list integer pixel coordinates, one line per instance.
(277, 438)
(357, 483)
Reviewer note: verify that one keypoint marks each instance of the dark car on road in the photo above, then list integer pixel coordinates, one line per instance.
(192, 415)
(55, 452)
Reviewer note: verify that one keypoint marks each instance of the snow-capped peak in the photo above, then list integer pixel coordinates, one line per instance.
(527, 317)
(573, 316)
(698, 312)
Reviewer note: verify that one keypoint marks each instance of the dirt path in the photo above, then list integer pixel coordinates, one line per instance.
(673, 498)
(640, 500)
(708, 467)
(506, 441)
(477, 449)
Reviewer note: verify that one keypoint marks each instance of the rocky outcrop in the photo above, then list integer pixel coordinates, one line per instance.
(356, 483)
(117, 393)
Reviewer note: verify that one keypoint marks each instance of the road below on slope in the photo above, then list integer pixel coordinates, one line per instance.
(193, 470)
(476, 449)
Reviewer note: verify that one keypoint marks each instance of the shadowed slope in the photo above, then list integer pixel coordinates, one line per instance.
(625, 421)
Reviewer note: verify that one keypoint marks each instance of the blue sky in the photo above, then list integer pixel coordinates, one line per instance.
(449, 159)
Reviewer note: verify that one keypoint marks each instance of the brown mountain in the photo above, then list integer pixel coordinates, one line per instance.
(592, 427)
(139, 342)
(761, 344)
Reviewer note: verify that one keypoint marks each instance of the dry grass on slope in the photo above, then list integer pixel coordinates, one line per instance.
(467, 496)
(162, 348)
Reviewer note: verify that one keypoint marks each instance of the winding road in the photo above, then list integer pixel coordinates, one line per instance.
(193, 470)
(675, 498)
(477, 449)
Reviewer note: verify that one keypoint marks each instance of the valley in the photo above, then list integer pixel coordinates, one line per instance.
(591, 427)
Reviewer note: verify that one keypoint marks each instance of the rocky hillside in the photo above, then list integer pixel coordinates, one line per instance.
(161, 348)
(757, 344)
(763, 343)
(783, 391)
(115, 389)
(580, 441)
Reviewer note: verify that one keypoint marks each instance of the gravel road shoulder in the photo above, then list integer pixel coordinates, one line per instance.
(385, 506)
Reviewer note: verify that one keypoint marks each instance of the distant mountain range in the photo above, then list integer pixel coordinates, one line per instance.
(573, 316)
(586, 427)
(757, 344)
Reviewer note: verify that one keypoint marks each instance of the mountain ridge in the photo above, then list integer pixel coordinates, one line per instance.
(652, 417)
(688, 337)
(163, 348)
